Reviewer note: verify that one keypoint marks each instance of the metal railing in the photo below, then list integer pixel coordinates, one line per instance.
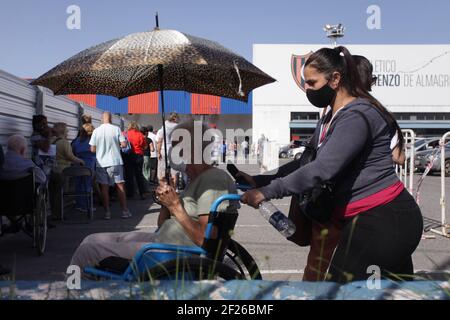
(444, 228)
(406, 172)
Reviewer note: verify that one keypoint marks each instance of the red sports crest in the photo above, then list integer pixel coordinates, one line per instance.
(297, 63)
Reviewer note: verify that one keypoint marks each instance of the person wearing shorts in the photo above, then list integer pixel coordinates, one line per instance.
(106, 141)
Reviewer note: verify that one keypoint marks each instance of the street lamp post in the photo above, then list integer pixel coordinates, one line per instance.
(334, 32)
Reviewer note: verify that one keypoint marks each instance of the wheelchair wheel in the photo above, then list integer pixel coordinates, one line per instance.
(192, 268)
(238, 258)
(40, 222)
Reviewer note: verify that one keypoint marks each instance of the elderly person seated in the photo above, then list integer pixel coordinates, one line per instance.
(64, 159)
(183, 218)
(16, 165)
(41, 151)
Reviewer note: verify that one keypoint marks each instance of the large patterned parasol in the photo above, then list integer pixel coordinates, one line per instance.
(155, 61)
(129, 66)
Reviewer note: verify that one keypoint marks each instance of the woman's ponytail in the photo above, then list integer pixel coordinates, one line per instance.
(357, 89)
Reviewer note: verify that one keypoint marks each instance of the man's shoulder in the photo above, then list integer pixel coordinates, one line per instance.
(107, 127)
(17, 159)
(215, 178)
(98, 129)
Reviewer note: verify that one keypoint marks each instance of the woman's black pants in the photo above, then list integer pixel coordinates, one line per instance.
(133, 172)
(384, 237)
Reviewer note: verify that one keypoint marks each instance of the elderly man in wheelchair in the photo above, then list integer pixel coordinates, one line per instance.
(24, 186)
(191, 236)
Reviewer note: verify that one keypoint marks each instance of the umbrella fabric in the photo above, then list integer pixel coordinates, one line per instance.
(128, 66)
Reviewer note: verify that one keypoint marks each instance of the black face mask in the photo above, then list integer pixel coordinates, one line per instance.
(321, 98)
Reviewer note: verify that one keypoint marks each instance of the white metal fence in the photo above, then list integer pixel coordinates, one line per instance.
(444, 165)
(20, 101)
(439, 227)
(406, 172)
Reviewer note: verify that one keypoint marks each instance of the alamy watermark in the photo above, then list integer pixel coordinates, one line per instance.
(73, 21)
(374, 20)
(374, 280)
(73, 281)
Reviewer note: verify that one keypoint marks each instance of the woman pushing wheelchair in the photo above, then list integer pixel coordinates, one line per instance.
(381, 222)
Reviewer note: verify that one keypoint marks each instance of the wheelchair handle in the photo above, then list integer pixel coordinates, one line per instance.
(243, 187)
(230, 197)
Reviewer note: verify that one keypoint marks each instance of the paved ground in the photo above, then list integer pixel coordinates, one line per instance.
(278, 258)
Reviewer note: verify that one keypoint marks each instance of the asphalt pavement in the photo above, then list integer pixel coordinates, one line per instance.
(278, 258)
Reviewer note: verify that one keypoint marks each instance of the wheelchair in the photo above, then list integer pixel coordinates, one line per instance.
(220, 257)
(25, 206)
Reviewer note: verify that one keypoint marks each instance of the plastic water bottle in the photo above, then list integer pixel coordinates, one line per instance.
(277, 219)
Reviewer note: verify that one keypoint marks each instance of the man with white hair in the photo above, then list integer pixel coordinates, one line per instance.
(183, 218)
(16, 166)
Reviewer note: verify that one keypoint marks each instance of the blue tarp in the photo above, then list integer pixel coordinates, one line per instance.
(231, 290)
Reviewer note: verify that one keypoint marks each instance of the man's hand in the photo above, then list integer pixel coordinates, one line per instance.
(168, 197)
(253, 198)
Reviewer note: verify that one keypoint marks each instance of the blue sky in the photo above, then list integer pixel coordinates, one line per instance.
(34, 37)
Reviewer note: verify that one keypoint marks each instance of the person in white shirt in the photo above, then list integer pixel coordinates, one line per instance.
(170, 125)
(245, 145)
(106, 141)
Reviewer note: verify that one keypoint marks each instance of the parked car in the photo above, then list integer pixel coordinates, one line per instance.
(296, 153)
(423, 158)
(284, 150)
(423, 144)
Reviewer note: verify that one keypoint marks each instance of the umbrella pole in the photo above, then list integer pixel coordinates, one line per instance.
(161, 86)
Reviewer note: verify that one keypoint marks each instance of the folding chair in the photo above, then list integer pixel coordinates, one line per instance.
(81, 173)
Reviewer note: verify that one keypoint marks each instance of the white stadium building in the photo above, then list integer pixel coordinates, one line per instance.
(413, 82)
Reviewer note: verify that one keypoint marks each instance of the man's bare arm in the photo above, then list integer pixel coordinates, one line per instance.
(164, 215)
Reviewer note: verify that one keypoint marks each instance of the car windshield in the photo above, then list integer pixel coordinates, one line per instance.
(420, 142)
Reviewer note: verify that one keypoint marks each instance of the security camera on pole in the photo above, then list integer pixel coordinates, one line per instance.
(334, 32)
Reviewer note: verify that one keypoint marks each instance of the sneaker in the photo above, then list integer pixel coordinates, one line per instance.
(126, 214)
(107, 215)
